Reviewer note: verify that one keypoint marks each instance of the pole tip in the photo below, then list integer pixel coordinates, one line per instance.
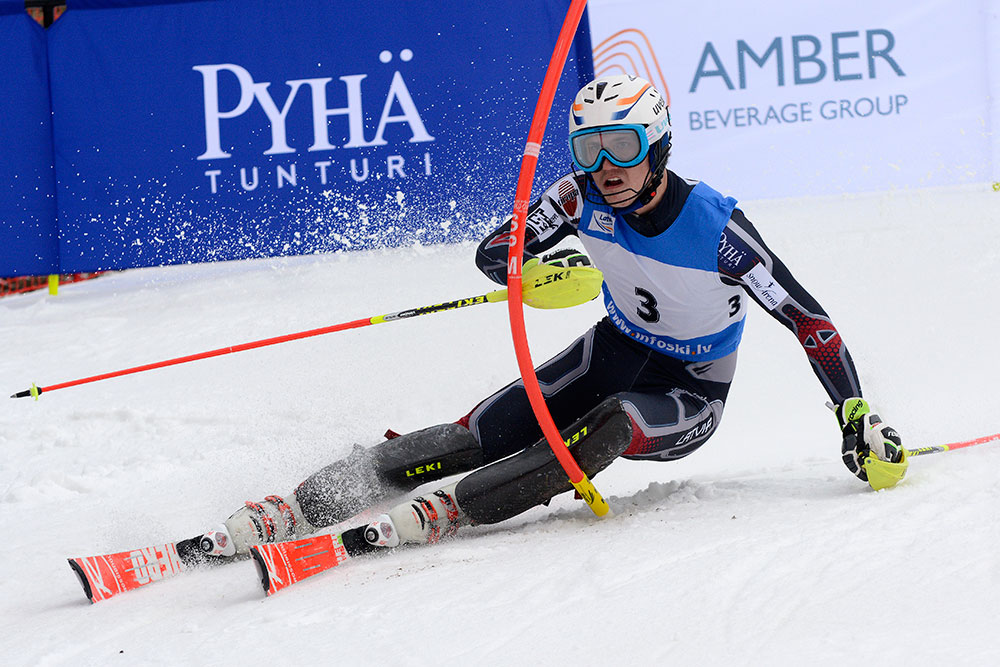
(34, 391)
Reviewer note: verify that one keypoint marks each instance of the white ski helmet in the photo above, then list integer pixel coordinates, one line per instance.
(627, 108)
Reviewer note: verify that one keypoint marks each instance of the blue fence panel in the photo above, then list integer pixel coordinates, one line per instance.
(29, 242)
(226, 129)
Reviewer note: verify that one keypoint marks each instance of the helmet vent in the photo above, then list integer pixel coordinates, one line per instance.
(600, 88)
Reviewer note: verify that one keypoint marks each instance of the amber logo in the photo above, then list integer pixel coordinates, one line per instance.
(629, 52)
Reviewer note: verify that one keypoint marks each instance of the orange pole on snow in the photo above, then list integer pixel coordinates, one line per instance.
(522, 197)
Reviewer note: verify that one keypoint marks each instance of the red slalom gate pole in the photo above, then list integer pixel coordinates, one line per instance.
(490, 297)
(522, 197)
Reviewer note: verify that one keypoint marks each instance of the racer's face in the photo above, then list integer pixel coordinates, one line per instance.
(621, 185)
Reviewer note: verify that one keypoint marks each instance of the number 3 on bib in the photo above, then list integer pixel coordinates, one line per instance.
(647, 309)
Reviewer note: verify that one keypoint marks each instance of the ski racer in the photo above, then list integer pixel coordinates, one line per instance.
(648, 382)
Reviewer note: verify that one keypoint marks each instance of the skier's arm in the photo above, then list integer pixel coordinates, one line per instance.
(870, 449)
(550, 219)
(745, 260)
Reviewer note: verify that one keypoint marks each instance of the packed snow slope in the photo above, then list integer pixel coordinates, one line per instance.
(758, 549)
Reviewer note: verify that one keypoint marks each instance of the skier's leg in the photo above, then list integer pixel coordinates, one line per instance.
(348, 486)
(596, 365)
(636, 425)
(651, 426)
(575, 381)
(670, 426)
(502, 489)
(368, 476)
(516, 484)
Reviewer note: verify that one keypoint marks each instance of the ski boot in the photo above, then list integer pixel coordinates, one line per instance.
(421, 520)
(274, 519)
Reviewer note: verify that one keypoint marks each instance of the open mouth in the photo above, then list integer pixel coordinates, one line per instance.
(613, 182)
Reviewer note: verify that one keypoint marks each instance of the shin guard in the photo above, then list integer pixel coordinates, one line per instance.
(369, 476)
(513, 485)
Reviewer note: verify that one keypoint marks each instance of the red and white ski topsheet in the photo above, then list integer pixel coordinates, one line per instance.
(106, 576)
(282, 564)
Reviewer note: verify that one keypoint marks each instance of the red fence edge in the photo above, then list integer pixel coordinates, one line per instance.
(23, 284)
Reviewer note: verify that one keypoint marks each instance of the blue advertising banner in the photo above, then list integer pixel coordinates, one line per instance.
(28, 236)
(226, 129)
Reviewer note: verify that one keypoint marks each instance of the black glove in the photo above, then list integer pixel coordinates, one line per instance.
(566, 258)
(871, 450)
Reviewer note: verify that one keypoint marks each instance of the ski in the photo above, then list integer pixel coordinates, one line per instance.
(108, 575)
(281, 564)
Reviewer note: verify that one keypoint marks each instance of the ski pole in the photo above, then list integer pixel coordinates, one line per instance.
(921, 451)
(934, 449)
(490, 297)
(549, 287)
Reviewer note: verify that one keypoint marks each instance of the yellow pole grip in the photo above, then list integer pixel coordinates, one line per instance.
(496, 296)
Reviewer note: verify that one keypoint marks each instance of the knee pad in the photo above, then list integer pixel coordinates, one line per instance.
(506, 488)
(370, 475)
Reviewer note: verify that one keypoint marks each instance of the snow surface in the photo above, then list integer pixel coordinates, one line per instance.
(758, 549)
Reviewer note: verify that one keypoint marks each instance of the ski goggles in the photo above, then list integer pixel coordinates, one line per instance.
(623, 145)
